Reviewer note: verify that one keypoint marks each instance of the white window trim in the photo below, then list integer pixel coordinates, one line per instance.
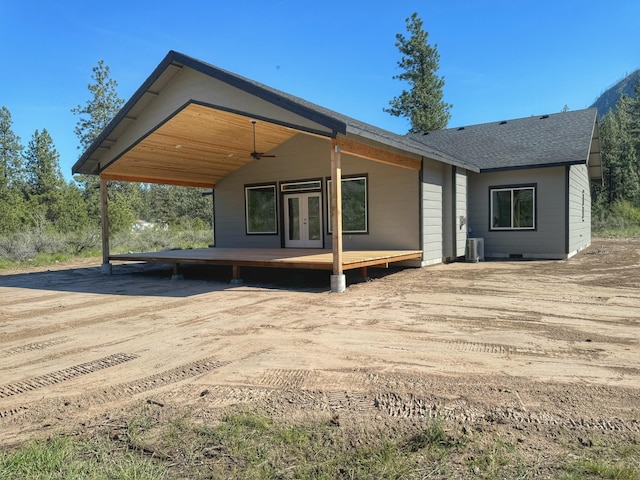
(512, 190)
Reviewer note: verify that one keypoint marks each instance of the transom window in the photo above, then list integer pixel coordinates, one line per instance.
(300, 186)
(513, 208)
(260, 209)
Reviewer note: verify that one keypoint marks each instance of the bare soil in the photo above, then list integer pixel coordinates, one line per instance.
(538, 352)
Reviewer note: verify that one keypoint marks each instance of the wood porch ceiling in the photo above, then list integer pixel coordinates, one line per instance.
(200, 145)
(196, 147)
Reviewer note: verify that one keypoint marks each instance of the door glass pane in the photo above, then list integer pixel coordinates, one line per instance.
(314, 223)
(294, 218)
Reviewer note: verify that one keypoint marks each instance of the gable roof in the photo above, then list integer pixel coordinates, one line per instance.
(205, 112)
(565, 138)
(189, 124)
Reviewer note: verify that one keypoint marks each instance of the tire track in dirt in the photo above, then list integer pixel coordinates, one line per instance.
(30, 347)
(411, 406)
(508, 350)
(42, 381)
(133, 311)
(28, 299)
(280, 378)
(138, 386)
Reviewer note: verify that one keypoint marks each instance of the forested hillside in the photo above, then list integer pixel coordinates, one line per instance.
(617, 201)
(609, 98)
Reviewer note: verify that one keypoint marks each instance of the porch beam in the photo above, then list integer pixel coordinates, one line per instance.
(338, 282)
(162, 180)
(368, 152)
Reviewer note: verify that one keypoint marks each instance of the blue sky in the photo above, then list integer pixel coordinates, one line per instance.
(500, 59)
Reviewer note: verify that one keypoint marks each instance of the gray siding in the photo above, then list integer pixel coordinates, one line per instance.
(461, 212)
(579, 213)
(549, 238)
(454, 212)
(393, 197)
(433, 180)
(448, 212)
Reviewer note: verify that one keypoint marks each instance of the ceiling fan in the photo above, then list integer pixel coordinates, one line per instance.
(255, 154)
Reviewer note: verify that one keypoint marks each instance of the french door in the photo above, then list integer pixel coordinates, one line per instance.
(303, 220)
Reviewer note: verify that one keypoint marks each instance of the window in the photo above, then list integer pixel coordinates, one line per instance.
(301, 186)
(354, 205)
(260, 209)
(513, 208)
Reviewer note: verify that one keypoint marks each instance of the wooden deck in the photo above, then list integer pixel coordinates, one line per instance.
(316, 259)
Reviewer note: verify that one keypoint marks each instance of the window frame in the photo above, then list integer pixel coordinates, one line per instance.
(348, 178)
(512, 188)
(247, 189)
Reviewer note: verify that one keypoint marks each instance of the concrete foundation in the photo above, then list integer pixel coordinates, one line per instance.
(338, 283)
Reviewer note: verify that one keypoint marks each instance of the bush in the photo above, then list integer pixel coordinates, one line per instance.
(621, 218)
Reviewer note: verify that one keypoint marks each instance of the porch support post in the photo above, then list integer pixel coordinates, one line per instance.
(104, 214)
(338, 280)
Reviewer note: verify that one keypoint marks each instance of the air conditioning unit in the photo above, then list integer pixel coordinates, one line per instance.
(475, 250)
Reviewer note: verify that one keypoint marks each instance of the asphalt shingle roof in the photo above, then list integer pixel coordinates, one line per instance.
(538, 141)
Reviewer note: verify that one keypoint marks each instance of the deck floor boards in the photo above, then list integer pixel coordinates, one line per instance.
(272, 257)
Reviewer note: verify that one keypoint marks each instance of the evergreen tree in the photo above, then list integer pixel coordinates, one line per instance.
(100, 108)
(42, 165)
(621, 167)
(44, 184)
(423, 104)
(10, 159)
(95, 115)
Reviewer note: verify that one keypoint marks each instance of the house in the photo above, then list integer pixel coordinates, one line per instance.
(285, 171)
(531, 197)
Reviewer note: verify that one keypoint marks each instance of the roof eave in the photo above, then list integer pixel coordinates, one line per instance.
(180, 60)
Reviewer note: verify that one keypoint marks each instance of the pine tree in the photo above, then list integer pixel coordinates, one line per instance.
(95, 115)
(13, 210)
(621, 167)
(423, 104)
(10, 159)
(42, 165)
(100, 108)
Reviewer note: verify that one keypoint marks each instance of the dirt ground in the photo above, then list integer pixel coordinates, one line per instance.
(538, 348)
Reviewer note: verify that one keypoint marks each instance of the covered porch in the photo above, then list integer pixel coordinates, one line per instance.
(193, 124)
(297, 258)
